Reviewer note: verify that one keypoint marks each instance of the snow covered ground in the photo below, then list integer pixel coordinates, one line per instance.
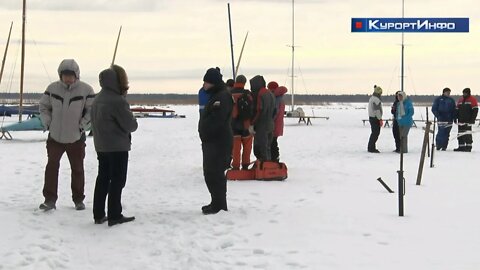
(331, 213)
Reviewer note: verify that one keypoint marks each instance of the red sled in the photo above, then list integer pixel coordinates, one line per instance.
(261, 170)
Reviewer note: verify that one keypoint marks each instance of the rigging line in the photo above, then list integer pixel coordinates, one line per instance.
(41, 60)
(287, 76)
(411, 80)
(391, 80)
(9, 88)
(303, 80)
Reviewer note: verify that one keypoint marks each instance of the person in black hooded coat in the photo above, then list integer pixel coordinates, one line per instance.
(217, 139)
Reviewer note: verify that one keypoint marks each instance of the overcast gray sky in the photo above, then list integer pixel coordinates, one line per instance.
(166, 46)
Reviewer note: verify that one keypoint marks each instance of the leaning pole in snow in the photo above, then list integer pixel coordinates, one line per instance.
(424, 150)
(433, 143)
(428, 140)
(401, 181)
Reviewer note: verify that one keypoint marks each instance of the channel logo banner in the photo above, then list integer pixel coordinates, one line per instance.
(417, 25)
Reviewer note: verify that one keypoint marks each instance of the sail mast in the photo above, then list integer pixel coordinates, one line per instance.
(403, 49)
(241, 53)
(22, 66)
(5, 54)
(293, 54)
(231, 41)
(116, 45)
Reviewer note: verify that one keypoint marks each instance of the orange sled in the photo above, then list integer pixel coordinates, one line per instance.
(261, 170)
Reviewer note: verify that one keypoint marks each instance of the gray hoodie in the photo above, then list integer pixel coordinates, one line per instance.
(112, 120)
(264, 105)
(65, 109)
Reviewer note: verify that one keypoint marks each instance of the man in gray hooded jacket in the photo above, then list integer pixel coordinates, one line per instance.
(263, 124)
(65, 113)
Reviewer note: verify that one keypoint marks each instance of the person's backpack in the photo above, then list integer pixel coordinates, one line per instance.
(244, 107)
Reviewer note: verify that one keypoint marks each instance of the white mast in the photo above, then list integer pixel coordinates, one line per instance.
(22, 66)
(293, 55)
(403, 49)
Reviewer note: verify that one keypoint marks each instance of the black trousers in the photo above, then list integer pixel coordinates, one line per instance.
(375, 127)
(396, 134)
(111, 179)
(261, 144)
(275, 151)
(216, 159)
(465, 135)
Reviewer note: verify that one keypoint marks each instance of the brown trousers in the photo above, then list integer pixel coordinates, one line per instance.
(238, 142)
(76, 154)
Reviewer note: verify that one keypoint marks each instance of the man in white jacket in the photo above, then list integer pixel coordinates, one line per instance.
(65, 113)
(375, 113)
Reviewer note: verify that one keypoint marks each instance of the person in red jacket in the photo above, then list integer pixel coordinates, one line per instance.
(278, 92)
(466, 113)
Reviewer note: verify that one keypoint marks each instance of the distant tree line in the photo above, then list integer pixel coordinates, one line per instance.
(159, 99)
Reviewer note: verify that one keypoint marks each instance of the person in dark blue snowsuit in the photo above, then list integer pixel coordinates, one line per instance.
(215, 130)
(444, 110)
(203, 98)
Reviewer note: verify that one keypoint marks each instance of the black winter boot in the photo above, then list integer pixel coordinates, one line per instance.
(100, 220)
(46, 206)
(212, 209)
(206, 206)
(121, 220)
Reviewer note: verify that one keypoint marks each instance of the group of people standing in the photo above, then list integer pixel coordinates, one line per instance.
(445, 109)
(231, 119)
(463, 113)
(68, 108)
(402, 111)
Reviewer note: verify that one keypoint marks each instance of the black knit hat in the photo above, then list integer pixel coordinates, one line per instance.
(446, 89)
(230, 82)
(213, 76)
(467, 91)
(241, 79)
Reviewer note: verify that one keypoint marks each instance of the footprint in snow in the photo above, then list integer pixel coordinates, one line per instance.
(258, 251)
(226, 244)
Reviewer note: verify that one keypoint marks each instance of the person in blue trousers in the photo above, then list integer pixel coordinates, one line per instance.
(404, 117)
(444, 110)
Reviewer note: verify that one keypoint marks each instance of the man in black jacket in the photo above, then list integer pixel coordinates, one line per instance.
(217, 139)
(466, 113)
